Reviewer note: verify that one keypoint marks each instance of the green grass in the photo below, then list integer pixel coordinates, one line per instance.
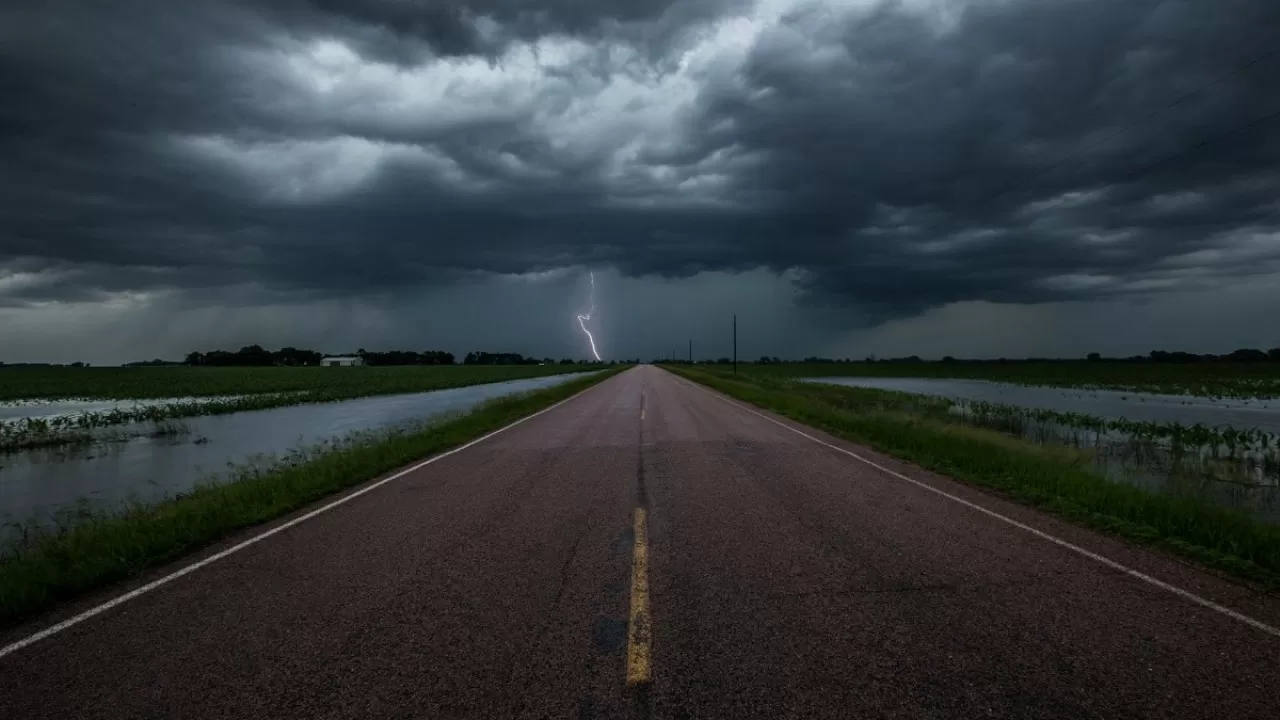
(1207, 379)
(101, 549)
(318, 383)
(1054, 479)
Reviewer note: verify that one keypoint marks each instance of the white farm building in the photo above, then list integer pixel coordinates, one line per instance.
(341, 361)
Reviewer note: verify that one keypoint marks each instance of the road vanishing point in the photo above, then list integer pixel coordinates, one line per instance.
(651, 549)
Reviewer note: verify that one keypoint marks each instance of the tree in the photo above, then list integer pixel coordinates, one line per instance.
(1093, 357)
(1247, 355)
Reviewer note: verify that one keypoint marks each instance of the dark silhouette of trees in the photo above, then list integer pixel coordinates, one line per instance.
(487, 358)
(1247, 355)
(407, 357)
(255, 355)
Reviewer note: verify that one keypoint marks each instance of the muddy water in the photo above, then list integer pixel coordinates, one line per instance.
(1263, 414)
(36, 486)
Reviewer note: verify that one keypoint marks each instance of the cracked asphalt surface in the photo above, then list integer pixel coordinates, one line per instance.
(785, 580)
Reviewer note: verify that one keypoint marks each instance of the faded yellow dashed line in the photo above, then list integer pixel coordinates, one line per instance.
(640, 630)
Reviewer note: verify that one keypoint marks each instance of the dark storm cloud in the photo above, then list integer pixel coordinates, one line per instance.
(401, 29)
(899, 158)
(913, 156)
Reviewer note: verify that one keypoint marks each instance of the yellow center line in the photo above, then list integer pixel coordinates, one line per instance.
(640, 632)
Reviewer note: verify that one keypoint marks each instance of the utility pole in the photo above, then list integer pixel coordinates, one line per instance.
(735, 344)
(690, 351)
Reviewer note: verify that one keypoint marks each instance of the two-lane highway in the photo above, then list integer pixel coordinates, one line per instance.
(649, 548)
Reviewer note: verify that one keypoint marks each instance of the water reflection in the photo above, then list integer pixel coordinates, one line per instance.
(1240, 475)
(1111, 404)
(48, 409)
(37, 485)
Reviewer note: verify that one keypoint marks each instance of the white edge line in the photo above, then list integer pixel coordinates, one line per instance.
(1257, 624)
(77, 619)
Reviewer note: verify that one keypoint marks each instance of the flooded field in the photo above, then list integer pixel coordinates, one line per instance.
(1224, 451)
(37, 486)
(1262, 414)
(50, 409)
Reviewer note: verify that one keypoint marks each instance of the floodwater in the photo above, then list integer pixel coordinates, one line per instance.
(58, 408)
(36, 486)
(1235, 483)
(1262, 414)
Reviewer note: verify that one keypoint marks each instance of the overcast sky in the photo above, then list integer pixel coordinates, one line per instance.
(965, 177)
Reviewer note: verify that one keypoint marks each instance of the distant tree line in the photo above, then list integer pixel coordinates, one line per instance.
(143, 363)
(406, 357)
(256, 355)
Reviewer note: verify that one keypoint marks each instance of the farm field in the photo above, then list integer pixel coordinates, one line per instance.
(94, 546)
(1205, 379)
(156, 396)
(318, 383)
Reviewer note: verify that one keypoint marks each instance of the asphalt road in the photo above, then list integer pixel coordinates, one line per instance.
(784, 579)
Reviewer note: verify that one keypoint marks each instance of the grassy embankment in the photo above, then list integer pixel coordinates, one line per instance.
(1055, 479)
(255, 388)
(102, 549)
(1205, 379)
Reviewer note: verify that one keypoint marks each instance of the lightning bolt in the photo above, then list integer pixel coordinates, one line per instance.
(582, 319)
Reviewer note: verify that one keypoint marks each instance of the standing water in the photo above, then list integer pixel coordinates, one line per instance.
(36, 486)
(1223, 452)
(1112, 404)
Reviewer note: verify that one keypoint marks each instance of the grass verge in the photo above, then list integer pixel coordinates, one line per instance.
(103, 549)
(1053, 479)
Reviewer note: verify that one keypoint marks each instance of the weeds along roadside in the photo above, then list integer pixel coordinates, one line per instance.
(98, 549)
(924, 431)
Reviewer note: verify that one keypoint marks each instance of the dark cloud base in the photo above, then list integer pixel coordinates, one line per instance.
(1014, 152)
